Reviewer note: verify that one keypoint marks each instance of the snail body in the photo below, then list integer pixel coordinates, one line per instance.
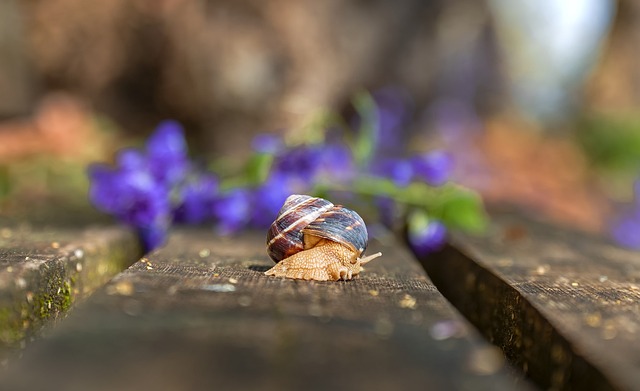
(312, 239)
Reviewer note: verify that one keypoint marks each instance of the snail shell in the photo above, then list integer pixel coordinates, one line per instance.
(313, 239)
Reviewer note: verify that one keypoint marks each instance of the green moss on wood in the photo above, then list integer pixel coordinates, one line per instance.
(52, 290)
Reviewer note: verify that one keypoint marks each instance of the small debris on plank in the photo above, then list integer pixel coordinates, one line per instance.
(222, 288)
(408, 301)
(122, 288)
(244, 301)
(486, 361)
(447, 329)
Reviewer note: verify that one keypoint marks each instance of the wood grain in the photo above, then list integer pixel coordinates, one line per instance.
(563, 305)
(200, 314)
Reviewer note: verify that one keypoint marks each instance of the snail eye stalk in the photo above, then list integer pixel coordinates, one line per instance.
(369, 258)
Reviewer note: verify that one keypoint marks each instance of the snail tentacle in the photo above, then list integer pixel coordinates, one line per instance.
(369, 258)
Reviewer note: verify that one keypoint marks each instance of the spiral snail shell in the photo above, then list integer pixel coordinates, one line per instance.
(313, 239)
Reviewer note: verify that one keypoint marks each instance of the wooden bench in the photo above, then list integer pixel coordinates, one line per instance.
(563, 305)
(200, 314)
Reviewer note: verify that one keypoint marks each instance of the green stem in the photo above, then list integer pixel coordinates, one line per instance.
(416, 194)
(457, 207)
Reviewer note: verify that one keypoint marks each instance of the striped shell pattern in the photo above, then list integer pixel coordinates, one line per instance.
(304, 219)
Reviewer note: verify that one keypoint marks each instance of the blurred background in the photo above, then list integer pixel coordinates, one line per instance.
(537, 100)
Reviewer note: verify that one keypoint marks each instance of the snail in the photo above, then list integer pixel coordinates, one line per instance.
(313, 239)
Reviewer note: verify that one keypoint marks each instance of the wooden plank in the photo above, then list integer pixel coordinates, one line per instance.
(563, 305)
(44, 271)
(200, 314)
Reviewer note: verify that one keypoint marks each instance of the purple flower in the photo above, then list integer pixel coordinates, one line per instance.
(233, 210)
(133, 196)
(433, 167)
(336, 163)
(300, 163)
(427, 239)
(197, 197)
(131, 159)
(104, 188)
(137, 191)
(269, 198)
(400, 171)
(267, 143)
(153, 236)
(626, 230)
(167, 153)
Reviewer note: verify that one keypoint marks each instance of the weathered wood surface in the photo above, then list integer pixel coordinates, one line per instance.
(43, 271)
(563, 305)
(200, 314)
